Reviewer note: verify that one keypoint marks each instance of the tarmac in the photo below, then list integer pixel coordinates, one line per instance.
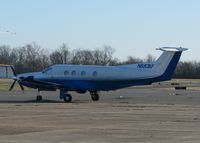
(131, 115)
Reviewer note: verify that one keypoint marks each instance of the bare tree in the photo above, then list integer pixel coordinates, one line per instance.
(30, 58)
(56, 58)
(187, 70)
(60, 56)
(44, 58)
(5, 55)
(84, 57)
(103, 56)
(150, 58)
(132, 60)
(108, 52)
(65, 54)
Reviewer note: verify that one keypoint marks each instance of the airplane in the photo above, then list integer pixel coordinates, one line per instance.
(93, 79)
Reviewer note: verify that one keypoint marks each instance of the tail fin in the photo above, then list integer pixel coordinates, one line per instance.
(167, 62)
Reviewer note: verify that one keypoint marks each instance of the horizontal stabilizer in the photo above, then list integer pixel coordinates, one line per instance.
(167, 62)
(172, 49)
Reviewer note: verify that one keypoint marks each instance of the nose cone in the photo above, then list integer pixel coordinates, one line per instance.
(27, 79)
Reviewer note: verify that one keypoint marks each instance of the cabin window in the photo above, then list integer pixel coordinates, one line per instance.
(66, 73)
(73, 73)
(83, 73)
(95, 73)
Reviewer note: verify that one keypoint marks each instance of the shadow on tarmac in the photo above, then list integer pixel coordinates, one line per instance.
(43, 101)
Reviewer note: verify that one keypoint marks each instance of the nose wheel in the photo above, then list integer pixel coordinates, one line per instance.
(94, 96)
(39, 98)
(68, 98)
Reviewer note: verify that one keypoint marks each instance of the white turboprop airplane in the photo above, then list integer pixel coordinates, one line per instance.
(83, 78)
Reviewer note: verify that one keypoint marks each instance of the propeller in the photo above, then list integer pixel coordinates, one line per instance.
(13, 84)
(15, 80)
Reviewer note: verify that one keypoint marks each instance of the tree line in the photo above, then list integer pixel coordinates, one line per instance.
(32, 57)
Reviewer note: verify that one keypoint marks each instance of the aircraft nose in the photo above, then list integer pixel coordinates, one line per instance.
(26, 78)
(21, 77)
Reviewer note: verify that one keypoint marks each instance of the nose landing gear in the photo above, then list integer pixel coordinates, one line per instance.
(38, 97)
(94, 96)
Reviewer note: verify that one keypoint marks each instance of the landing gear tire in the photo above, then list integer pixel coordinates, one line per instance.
(68, 98)
(95, 97)
(39, 98)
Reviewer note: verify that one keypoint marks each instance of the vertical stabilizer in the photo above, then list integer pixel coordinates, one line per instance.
(167, 62)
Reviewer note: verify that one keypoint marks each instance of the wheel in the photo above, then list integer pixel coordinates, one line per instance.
(95, 97)
(68, 98)
(39, 98)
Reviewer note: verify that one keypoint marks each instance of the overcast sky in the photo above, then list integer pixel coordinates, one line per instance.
(131, 27)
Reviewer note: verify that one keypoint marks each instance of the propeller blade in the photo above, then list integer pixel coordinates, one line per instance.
(13, 84)
(11, 87)
(22, 88)
(13, 70)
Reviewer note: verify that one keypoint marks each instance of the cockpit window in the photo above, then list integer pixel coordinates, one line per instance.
(46, 70)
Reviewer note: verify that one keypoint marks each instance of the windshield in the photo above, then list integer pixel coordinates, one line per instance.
(47, 70)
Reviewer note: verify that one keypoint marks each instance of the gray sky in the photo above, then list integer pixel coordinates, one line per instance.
(131, 27)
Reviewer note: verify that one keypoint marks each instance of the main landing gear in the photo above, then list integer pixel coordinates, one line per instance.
(38, 97)
(94, 96)
(67, 98)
